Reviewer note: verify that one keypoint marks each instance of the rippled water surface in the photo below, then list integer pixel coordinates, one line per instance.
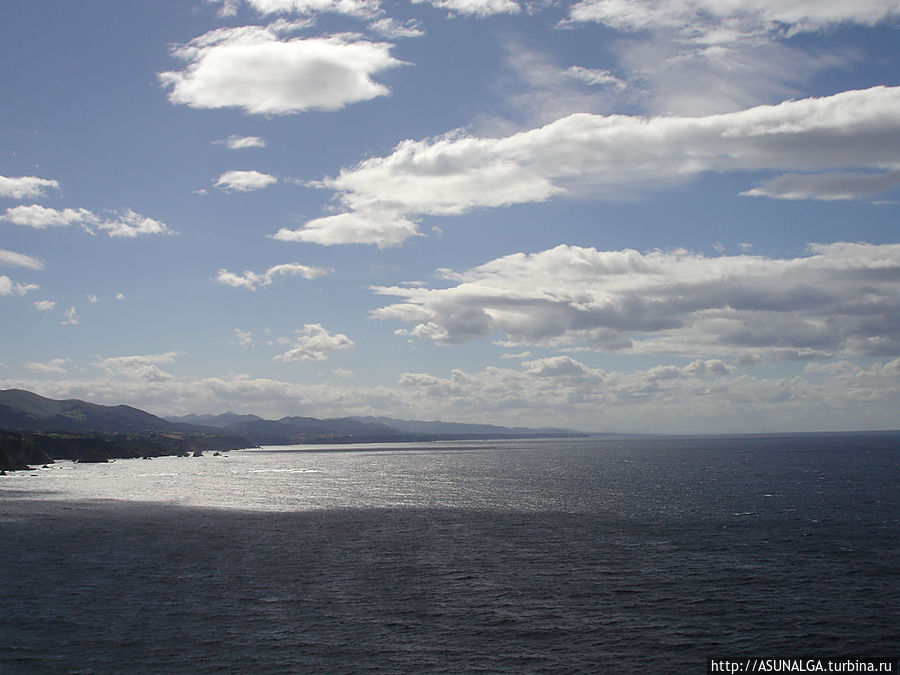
(612, 555)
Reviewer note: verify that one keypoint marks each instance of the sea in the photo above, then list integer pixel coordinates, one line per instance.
(596, 555)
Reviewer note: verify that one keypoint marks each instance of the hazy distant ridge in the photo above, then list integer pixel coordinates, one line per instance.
(288, 430)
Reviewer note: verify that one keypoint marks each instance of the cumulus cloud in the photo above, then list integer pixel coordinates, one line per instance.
(604, 156)
(475, 7)
(14, 259)
(138, 367)
(126, 223)
(44, 305)
(253, 68)
(252, 280)
(394, 30)
(313, 343)
(827, 186)
(51, 366)
(378, 226)
(129, 224)
(244, 181)
(234, 142)
(41, 217)
(9, 287)
(25, 187)
(842, 298)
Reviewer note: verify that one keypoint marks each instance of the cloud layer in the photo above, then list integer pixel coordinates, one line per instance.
(604, 156)
(843, 298)
(714, 21)
(704, 393)
(357, 8)
(475, 7)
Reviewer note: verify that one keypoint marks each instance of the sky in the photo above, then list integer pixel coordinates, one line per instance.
(666, 216)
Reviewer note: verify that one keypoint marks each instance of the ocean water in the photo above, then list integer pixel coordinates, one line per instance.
(631, 555)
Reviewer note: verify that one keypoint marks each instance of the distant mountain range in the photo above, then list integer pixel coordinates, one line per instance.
(26, 412)
(289, 430)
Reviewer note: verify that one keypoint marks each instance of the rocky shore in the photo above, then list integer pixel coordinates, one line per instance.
(20, 451)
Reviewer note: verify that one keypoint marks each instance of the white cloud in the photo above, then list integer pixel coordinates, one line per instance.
(595, 76)
(713, 21)
(8, 287)
(244, 181)
(380, 227)
(51, 366)
(519, 355)
(313, 343)
(229, 7)
(356, 8)
(842, 298)
(20, 260)
(129, 224)
(44, 305)
(243, 338)
(603, 156)
(138, 367)
(827, 186)
(70, 317)
(252, 280)
(123, 224)
(251, 68)
(41, 217)
(394, 30)
(536, 89)
(670, 77)
(234, 142)
(475, 7)
(706, 56)
(25, 187)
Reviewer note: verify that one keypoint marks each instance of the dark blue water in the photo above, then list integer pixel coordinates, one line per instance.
(620, 556)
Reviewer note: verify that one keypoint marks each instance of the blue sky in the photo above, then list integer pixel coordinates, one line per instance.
(663, 216)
